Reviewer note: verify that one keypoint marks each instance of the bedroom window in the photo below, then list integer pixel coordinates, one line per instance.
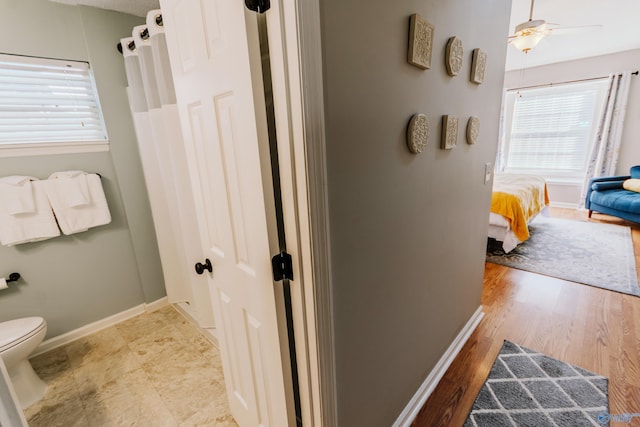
(550, 130)
(48, 106)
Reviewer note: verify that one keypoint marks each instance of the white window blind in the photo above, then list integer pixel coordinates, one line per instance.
(551, 129)
(48, 101)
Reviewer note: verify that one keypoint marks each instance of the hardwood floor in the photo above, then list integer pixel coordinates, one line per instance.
(590, 327)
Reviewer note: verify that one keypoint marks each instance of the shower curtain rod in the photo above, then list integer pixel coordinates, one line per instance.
(635, 73)
(131, 46)
(144, 34)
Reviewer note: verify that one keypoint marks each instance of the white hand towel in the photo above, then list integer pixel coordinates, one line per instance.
(71, 188)
(29, 227)
(16, 194)
(75, 219)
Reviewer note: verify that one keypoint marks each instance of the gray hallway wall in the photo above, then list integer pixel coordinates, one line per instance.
(408, 232)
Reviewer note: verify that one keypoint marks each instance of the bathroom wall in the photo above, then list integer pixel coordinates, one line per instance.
(74, 280)
(408, 232)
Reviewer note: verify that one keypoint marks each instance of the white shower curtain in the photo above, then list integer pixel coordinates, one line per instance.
(604, 153)
(152, 100)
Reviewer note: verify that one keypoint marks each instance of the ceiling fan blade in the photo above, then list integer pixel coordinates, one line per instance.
(574, 30)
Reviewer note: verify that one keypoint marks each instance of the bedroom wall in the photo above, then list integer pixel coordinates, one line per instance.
(74, 280)
(408, 232)
(568, 194)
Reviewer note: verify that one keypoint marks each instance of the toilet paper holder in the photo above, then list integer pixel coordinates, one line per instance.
(13, 277)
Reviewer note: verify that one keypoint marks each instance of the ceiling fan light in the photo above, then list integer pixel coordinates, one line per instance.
(526, 42)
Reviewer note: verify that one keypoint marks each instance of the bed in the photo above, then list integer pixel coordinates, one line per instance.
(515, 201)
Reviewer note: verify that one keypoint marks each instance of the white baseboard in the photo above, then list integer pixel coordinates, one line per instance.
(417, 401)
(98, 325)
(209, 333)
(156, 305)
(565, 205)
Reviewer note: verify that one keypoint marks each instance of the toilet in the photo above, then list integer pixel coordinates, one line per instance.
(18, 339)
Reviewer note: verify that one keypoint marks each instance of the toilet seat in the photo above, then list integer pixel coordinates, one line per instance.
(14, 332)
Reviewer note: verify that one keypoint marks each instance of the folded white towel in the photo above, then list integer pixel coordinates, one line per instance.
(29, 227)
(75, 219)
(16, 194)
(71, 188)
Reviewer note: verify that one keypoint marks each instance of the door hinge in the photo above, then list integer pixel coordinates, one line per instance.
(282, 265)
(260, 6)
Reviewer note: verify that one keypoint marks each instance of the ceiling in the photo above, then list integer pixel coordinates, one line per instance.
(132, 7)
(620, 30)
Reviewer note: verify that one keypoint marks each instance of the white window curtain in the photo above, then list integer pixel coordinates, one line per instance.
(604, 152)
(499, 164)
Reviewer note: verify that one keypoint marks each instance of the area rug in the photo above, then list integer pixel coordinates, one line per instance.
(584, 252)
(527, 388)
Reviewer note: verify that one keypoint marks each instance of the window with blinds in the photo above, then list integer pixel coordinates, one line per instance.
(44, 101)
(550, 130)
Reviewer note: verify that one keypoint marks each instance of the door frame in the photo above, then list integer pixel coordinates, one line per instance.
(296, 63)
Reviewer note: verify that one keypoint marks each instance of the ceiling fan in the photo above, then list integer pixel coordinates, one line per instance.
(529, 33)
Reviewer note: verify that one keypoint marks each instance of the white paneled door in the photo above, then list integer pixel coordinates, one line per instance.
(209, 53)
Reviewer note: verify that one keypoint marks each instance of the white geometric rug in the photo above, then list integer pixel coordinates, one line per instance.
(529, 389)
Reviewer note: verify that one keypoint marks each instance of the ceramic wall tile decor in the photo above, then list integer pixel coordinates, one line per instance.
(453, 56)
(473, 130)
(418, 133)
(478, 64)
(449, 132)
(420, 42)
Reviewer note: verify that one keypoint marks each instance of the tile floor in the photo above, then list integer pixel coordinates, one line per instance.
(156, 369)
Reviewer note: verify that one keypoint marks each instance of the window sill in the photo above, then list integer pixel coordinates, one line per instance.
(45, 149)
(564, 181)
(552, 178)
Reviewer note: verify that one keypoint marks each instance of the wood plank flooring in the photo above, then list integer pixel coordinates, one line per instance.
(590, 327)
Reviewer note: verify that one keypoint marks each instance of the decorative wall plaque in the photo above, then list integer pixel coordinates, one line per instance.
(478, 64)
(418, 133)
(449, 132)
(473, 130)
(420, 42)
(453, 56)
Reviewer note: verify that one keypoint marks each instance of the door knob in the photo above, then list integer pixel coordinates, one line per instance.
(200, 267)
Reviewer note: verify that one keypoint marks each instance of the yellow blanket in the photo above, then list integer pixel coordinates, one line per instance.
(518, 198)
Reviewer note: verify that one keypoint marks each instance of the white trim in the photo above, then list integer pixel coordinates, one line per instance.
(565, 205)
(312, 154)
(99, 325)
(83, 331)
(156, 305)
(209, 333)
(285, 81)
(50, 148)
(297, 87)
(410, 412)
(563, 182)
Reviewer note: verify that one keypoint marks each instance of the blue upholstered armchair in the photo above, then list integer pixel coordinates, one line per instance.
(606, 195)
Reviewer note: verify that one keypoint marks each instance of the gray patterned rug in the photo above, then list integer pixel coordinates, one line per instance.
(528, 389)
(584, 252)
